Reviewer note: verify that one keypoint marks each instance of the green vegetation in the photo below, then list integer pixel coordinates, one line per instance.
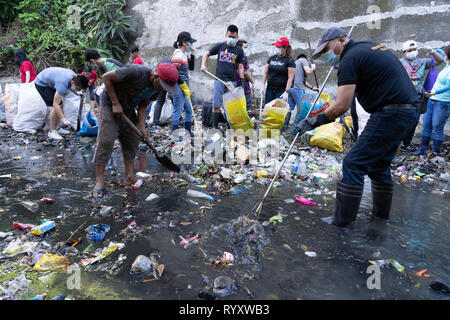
(57, 32)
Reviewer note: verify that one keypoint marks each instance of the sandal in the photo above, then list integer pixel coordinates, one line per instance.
(98, 193)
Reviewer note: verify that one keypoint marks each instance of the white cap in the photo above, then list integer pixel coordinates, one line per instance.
(409, 44)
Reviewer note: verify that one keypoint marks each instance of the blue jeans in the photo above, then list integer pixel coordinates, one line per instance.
(272, 95)
(375, 149)
(294, 97)
(435, 118)
(219, 91)
(180, 102)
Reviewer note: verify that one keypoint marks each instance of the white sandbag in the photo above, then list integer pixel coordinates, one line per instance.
(10, 98)
(363, 117)
(71, 106)
(166, 112)
(31, 110)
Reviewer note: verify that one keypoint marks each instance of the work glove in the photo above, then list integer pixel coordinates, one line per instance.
(185, 89)
(428, 49)
(285, 96)
(430, 93)
(313, 66)
(311, 123)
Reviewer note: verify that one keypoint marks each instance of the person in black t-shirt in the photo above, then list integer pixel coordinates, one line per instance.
(377, 78)
(229, 61)
(279, 72)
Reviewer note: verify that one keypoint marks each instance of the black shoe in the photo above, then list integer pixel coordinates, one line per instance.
(348, 199)
(408, 148)
(382, 199)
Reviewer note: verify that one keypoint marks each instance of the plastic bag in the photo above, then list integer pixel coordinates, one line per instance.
(89, 125)
(329, 136)
(31, 110)
(52, 262)
(152, 112)
(2, 107)
(305, 103)
(274, 114)
(10, 98)
(363, 117)
(71, 106)
(236, 110)
(166, 112)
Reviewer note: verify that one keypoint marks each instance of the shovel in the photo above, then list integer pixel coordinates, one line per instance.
(228, 84)
(164, 160)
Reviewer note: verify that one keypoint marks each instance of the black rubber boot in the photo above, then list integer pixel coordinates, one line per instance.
(425, 141)
(348, 199)
(437, 145)
(382, 199)
(286, 122)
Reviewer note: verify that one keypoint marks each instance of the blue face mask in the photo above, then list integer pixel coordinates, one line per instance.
(331, 58)
(188, 48)
(231, 41)
(245, 52)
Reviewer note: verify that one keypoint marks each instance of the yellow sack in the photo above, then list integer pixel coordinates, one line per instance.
(236, 109)
(274, 114)
(329, 136)
(52, 262)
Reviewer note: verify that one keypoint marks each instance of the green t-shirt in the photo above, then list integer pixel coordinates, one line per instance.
(111, 64)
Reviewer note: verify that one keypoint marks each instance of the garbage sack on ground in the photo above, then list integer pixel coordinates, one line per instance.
(166, 112)
(10, 98)
(329, 136)
(89, 125)
(52, 262)
(2, 108)
(305, 103)
(143, 265)
(17, 247)
(274, 114)
(236, 110)
(31, 110)
(71, 107)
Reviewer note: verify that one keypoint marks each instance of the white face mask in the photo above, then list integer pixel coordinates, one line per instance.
(412, 55)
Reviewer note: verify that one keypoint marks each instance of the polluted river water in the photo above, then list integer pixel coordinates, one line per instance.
(296, 256)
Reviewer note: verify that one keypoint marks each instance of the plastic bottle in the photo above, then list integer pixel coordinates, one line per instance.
(20, 226)
(305, 201)
(33, 207)
(43, 228)
(299, 169)
(48, 200)
(138, 184)
(198, 194)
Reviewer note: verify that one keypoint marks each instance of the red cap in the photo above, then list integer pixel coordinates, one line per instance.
(283, 42)
(168, 76)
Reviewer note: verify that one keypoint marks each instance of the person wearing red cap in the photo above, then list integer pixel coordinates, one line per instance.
(279, 72)
(127, 88)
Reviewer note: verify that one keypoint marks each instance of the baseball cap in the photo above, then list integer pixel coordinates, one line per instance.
(283, 42)
(168, 77)
(188, 38)
(409, 45)
(327, 36)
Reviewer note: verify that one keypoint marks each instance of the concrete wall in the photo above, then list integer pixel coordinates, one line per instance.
(262, 22)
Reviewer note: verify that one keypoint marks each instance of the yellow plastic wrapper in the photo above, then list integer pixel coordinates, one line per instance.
(52, 262)
(274, 114)
(236, 110)
(329, 136)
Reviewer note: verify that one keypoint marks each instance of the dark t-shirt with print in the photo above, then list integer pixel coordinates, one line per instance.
(227, 60)
(379, 76)
(133, 85)
(278, 72)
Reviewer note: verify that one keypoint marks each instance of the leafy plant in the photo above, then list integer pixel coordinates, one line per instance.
(8, 10)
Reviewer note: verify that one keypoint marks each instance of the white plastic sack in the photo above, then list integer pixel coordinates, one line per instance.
(363, 117)
(152, 112)
(10, 98)
(71, 105)
(31, 110)
(166, 112)
(99, 89)
(2, 107)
